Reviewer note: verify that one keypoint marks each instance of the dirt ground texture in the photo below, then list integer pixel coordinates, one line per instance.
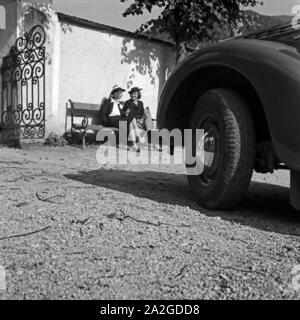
(73, 229)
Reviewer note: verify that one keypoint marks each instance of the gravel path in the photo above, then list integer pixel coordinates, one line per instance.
(71, 229)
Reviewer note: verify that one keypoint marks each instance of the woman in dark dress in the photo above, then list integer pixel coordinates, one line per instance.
(135, 108)
(112, 112)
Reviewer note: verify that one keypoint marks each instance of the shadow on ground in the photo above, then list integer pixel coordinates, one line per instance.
(265, 206)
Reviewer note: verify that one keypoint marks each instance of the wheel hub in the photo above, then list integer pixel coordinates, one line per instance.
(208, 149)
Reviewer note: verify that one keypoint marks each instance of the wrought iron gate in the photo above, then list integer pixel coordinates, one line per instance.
(23, 87)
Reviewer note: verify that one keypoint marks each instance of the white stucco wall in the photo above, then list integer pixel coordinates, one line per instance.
(8, 34)
(2, 17)
(93, 61)
(83, 63)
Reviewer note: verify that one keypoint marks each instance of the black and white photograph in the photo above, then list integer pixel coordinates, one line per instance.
(149, 151)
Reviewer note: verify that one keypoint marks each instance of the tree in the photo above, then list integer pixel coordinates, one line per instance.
(191, 21)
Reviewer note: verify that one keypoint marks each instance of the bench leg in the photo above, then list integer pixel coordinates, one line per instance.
(83, 140)
(72, 135)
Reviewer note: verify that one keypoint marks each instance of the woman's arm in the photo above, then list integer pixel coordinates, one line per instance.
(126, 106)
(126, 109)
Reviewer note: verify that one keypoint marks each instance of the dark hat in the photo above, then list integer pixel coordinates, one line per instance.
(135, 89)
(117, 89)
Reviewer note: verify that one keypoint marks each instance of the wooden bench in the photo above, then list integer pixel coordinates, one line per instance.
(90, 118)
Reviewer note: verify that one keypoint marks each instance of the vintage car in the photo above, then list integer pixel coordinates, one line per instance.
(245, 94)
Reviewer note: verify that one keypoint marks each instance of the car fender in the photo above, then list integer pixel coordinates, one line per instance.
(272, 68)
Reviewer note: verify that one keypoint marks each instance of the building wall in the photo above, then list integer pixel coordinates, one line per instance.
(17, 11)
(8, 33)
(83, 63)
(91, 62)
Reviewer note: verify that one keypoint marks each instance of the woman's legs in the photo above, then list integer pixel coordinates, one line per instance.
(133, 131)
(138, 131)
(134, 134)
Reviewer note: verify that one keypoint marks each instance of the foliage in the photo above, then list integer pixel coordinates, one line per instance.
(265, 22)
(43, 12)
(55, 140)
(194, 21)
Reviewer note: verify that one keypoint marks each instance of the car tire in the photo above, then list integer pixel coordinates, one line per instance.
(229, 145)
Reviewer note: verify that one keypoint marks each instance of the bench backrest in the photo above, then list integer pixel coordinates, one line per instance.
(80, 110)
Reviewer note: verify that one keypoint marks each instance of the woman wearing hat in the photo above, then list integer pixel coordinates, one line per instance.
(112, 112)
(135, 108)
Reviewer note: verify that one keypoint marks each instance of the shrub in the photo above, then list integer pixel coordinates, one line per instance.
(55, 140)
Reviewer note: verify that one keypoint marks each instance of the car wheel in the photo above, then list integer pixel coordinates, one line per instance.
(227, 148)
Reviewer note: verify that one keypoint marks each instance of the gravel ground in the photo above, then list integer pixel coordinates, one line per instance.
(71, 229)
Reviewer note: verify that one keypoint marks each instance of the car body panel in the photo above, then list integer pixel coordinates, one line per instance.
(272, 68)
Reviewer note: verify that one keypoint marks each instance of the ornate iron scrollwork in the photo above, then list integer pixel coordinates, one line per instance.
(23, 87)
